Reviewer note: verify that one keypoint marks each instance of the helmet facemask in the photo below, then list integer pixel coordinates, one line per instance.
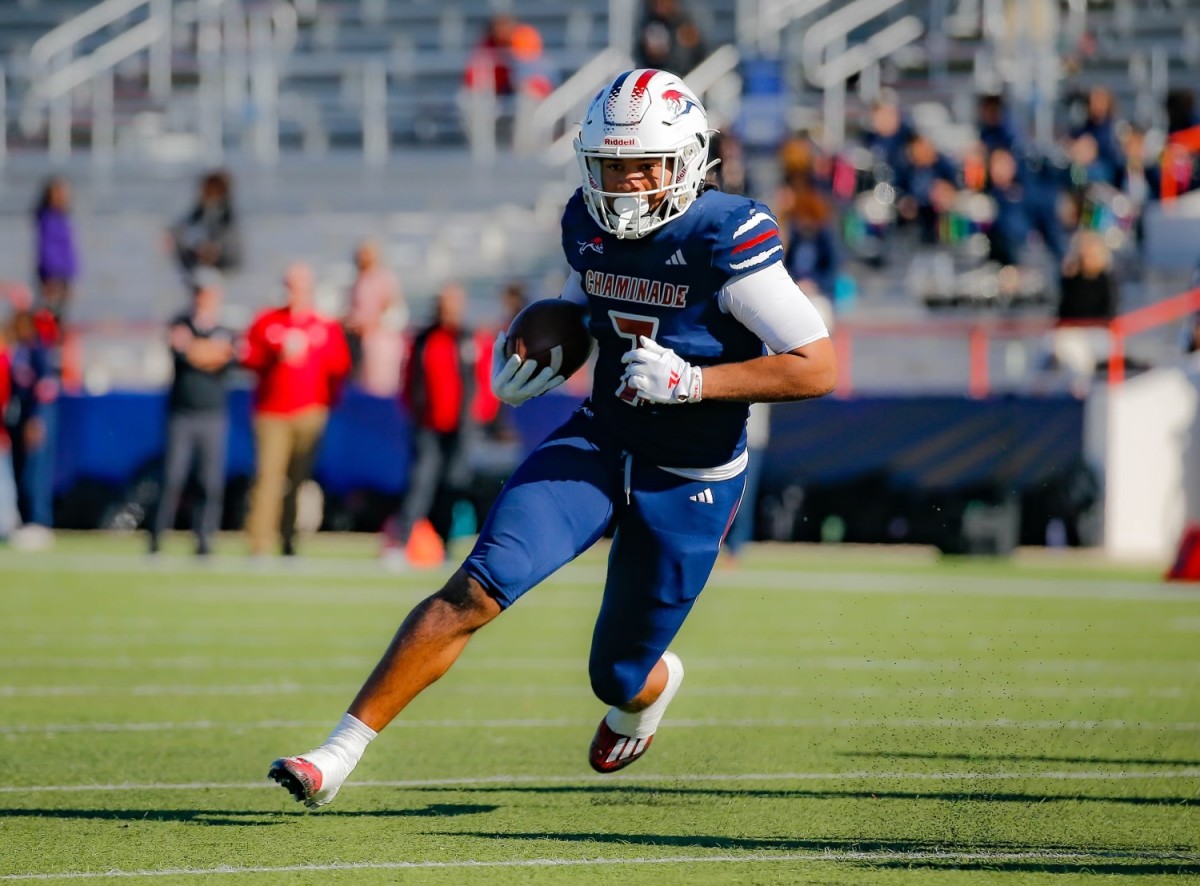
(626, 214)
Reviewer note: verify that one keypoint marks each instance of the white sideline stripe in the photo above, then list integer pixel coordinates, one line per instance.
(775, 858)
(706, 691)
(735, 778)
(723, 664)
(694, 723)
(791, 581)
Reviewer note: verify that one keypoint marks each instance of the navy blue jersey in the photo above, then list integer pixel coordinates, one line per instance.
(665, 286)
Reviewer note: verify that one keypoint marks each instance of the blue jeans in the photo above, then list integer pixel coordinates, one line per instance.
(742, 529)
(37, 473)
(9, 518)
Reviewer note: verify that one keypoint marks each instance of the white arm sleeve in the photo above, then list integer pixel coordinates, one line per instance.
(573, 289)
(770, 304)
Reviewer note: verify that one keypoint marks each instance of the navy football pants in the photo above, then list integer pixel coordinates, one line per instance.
(668, 533)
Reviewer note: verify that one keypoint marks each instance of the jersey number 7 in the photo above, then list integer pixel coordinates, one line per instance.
(631, 326)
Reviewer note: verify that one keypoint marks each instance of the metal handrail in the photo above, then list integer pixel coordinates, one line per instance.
(881, 44)
(834, 27)
(71, 32)
(112, 53)
(721, 63)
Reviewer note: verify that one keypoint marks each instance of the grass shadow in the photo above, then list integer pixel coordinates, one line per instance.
(981, 796)
(1028, 758)
(1120, 861)
(242, 817)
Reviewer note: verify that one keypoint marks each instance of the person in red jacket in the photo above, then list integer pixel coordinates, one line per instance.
(301, 359)
(438, 391)
(9, 519)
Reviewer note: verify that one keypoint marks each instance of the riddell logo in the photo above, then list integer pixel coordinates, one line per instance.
(673, 380)
(620, 142)
(595, 245)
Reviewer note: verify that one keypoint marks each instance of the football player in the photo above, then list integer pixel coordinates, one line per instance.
(694, 318)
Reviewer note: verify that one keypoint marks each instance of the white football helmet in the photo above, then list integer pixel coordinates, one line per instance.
(644, 113)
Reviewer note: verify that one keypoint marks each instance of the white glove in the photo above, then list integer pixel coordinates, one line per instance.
(513, 379)
(659, 375)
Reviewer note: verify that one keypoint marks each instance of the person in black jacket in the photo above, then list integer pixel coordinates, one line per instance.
(197, 414)
(208, 236)
(1088, 288)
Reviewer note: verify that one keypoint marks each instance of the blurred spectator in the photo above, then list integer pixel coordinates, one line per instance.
(33, 417)
(1191, 326)
(377, 312)
(811, 253)
(1088, 288)
(888, 134)
(995, 127)
(1010, 229)
(208, 235)
(301, 360)
(57, 258)
(1138, 180)
(1086, 165)
(1181, 110)
(926, 181)
(439, 382)
(490, 65)
(758, 435)
(1100, 124)
(1011, 226)
(533, 74)
(1088, 293)
(668, 38)
(9, 517)
(485, 409)
(197, 414)
(1191, 335)
(730, 173)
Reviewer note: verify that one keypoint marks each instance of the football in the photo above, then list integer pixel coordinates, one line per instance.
(551, 332)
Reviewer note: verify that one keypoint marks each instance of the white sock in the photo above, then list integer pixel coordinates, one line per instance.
(645, 722)
(349, 740)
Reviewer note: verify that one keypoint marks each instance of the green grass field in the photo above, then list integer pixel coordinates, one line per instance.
(849, 716)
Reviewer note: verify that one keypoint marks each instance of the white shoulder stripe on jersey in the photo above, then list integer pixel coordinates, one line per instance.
(755, 260)
(756, 219)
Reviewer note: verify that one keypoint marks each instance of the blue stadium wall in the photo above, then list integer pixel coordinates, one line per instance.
(870, 469)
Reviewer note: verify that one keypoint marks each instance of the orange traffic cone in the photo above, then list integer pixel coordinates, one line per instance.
(425, 548)
(1187, 561)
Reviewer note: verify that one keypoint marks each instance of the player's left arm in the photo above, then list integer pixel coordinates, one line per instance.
(769, 304)
(801, 364)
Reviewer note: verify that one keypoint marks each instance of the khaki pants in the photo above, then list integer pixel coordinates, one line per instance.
(286, 450)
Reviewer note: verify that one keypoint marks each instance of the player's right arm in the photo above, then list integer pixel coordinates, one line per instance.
(513, 379)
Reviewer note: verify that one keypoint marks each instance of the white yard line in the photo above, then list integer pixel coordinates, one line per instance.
(825, 691)
(36, 729)
(690, 778)
(1048, 856)
(722, 664)
(792, 581)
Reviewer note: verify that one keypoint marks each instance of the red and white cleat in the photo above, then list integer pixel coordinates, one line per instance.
(305, 780)
(623, 737)
(610, 751)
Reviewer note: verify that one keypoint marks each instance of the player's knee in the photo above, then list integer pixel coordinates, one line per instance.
(613, 683)
(468, 598)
